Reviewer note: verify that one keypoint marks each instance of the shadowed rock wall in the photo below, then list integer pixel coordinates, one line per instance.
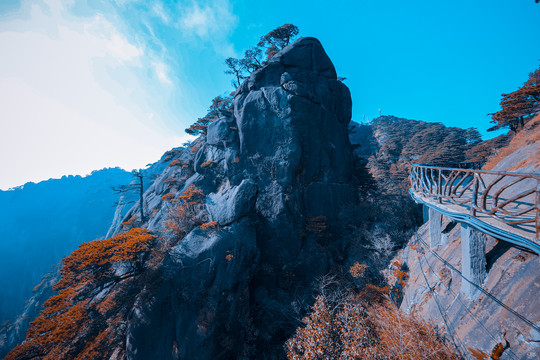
(280, 162)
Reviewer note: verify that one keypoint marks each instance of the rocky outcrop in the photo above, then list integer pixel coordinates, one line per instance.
(275, 173)
(479, 323)
(202, 308)
(230, 204)
(280, 159)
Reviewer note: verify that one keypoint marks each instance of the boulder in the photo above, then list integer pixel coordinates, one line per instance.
(221, 132)
(231, 204)
(293, 117)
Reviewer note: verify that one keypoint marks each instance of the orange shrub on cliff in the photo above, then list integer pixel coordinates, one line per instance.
(185, 212)
(76, 323)
(364, 326)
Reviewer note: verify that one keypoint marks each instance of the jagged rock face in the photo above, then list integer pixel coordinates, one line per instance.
(201, 308)
(280, 160)
(293, 115)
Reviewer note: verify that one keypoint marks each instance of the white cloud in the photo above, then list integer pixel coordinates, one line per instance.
(198, 20)
(113, 43)
(162, 73)
(158, 11)
(71, 90)
(212, 22)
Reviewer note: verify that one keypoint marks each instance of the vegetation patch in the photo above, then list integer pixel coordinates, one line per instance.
(84, 320)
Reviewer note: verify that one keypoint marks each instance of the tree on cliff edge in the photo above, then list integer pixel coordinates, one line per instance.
(219, 103)
(271, 43)
(519, 106)
(137, 185)
(278, 38)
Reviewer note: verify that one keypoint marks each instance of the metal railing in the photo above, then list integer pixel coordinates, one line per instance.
(511, 198)
(473, 165)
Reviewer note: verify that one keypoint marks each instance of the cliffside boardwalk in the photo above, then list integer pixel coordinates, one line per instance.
(501, 204)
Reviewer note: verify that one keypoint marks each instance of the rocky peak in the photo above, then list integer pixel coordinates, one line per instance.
(280, 161)
(274, 175)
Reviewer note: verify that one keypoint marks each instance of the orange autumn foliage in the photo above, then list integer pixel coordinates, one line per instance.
(130, 223)
(175, 162)
(207, 163)
(357, 270)
(478, 354)
(73, 323)
(185, 212)
(208, 225)
(123, 247)
(191, 195)
(364, 326)
(496, 353)
(167, 197)
(400, 275)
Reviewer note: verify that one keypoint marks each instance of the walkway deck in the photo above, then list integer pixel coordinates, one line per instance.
(504, 205)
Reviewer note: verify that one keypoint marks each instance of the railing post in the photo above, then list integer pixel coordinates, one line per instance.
(439, 185)
(474, 200)
(424, 177)
(430, 178)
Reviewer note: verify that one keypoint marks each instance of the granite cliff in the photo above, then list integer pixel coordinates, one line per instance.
(281, 159)
(273, 175)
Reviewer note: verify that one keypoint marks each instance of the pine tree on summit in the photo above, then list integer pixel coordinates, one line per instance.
(271, 43)
(279, 37)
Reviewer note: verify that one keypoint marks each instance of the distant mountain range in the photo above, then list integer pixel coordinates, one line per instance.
(41, 223)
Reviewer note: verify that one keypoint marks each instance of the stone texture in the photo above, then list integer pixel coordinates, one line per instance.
(231, 204)
(221, 132)
(479, 323)
(200, 307)
(435, 229)
(473, 259)
(282, 157)
(301, 129)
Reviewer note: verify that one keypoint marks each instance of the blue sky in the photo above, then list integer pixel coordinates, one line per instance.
(89, 84)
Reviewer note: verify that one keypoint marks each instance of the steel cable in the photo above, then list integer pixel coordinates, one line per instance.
(450, 330)
(469, 311)
(515, 313)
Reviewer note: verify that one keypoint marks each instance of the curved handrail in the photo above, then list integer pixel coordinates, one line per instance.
(438, 166)
(507, 197)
